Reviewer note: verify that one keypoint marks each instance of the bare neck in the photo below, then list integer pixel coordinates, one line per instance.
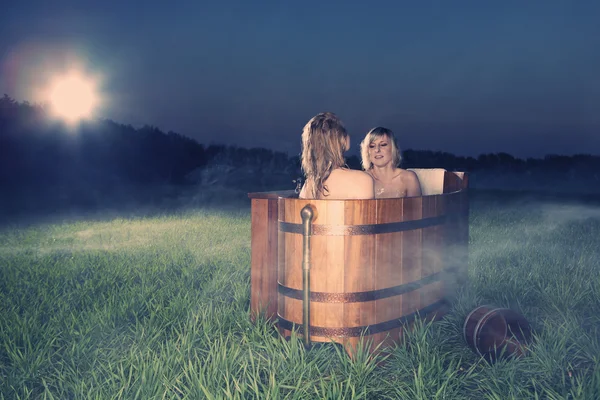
(385, 173)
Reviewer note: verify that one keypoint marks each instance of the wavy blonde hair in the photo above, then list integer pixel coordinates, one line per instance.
(374, 134)
(324, 141)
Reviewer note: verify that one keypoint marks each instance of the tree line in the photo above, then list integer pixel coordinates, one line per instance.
(36, 151)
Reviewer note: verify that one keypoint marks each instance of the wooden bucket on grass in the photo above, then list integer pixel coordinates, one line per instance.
(493, 332)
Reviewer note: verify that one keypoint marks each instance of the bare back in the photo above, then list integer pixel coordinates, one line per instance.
(343, 184)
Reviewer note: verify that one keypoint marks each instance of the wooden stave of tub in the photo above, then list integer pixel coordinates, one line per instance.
(355, 283)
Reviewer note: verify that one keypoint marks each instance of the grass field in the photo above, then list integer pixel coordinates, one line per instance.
(157, 308)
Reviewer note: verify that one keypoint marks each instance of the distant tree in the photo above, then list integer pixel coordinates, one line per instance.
(39, 157)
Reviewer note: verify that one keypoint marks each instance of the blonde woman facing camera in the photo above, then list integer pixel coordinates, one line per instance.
(381, 159)
(324, 141)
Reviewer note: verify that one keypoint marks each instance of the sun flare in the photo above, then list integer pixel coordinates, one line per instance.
(73, 97)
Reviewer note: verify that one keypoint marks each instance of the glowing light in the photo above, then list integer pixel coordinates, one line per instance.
(73, 97)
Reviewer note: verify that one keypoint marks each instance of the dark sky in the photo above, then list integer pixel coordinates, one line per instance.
(467, 77)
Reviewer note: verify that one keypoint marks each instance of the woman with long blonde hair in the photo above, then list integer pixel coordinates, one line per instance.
(381, 159)
(324, 141)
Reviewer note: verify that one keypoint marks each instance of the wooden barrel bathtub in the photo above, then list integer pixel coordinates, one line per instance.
(375, 263)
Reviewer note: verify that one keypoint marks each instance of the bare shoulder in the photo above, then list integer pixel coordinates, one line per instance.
(356, 174)
(356, 184)
(351, 174)
(408, 176)
(411, 182)
(363, 184)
